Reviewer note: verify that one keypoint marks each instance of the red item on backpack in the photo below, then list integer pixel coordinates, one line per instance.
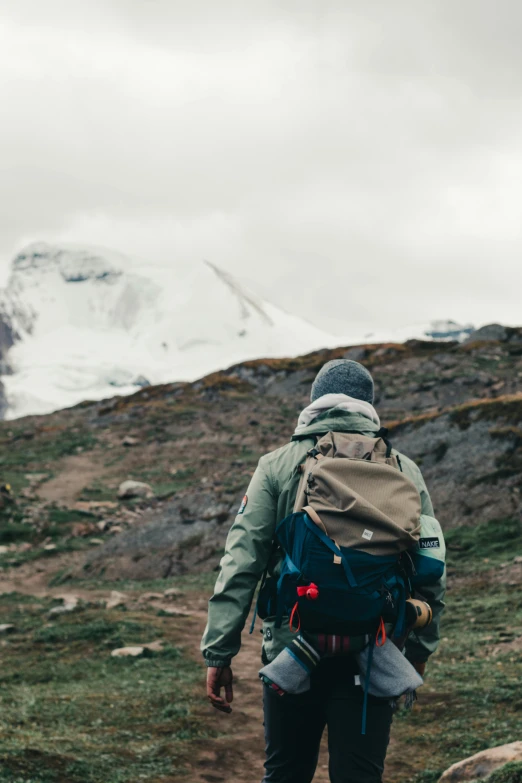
(311, 591)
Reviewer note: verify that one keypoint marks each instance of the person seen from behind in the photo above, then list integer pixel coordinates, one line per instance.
(340, 530)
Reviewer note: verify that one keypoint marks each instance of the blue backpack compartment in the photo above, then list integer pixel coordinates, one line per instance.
(428, 570)
(353, 595)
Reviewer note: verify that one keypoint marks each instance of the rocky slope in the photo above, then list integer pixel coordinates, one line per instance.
(470, 450)
(455, 408)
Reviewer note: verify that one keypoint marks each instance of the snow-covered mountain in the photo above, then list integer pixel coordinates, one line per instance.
(90, 323)
(81, 323)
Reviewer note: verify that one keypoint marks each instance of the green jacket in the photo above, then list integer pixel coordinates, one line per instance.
(270, 498)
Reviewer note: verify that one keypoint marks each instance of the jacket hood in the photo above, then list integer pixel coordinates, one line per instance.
(336, 420)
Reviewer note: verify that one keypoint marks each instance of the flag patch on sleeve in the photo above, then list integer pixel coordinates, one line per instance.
(243, 504)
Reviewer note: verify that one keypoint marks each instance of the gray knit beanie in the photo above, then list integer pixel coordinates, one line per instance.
(343, 376)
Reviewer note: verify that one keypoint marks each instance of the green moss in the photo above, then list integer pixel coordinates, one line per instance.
(509, 773)
(428, 776)
(11, 532)
(66, 516)
(509, 462)
(100, 631)
(97, 491)
(507, 408)
(471, 698)
(70, 713)
(32, 449)
(222, 381)
(496, 537)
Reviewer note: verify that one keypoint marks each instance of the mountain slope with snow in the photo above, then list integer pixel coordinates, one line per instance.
(92, 323)
(85, 323)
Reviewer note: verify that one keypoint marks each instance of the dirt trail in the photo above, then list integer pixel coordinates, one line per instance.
(238, 754)
(33, 578)
(76, 473)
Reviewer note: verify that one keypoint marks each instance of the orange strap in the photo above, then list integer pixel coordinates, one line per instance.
(381, 634)
(295, 611)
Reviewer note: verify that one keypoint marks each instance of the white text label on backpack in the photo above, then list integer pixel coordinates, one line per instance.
(429, 543)
(368, 535)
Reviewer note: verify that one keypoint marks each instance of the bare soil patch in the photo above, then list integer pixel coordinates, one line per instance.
(76, 473)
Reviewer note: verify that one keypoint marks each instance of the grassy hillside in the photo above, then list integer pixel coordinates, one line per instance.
(70, 712)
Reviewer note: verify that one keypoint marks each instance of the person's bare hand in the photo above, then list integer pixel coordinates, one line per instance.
(217, 678)
(419, 667)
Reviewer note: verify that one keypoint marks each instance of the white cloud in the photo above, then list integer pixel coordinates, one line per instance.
(353, 160)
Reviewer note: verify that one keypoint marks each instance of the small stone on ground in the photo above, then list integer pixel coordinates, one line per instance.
(481, 765)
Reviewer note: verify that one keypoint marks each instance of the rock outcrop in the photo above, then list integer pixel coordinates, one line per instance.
(481, 765)
(456, 409)
(181, 536)
(134, 489)
(471, 458)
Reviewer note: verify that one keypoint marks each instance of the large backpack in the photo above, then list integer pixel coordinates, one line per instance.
(348, 545)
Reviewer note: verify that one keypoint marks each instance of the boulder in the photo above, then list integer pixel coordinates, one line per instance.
(116, 599)
(171, 612)
(172, 592)
(83, 529)
(156, 646)
(128, 652)
(481, 765)
(70, 603)
(135, 489)
(217, 511)
(128, 440)
(7, 628)
(167, 540)
(134, 651)
(93, 506)
(150, 597)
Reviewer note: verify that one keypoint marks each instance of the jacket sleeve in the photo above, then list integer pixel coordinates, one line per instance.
(247, 551)
(424, 642)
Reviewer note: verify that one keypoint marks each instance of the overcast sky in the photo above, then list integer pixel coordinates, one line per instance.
(356, 161)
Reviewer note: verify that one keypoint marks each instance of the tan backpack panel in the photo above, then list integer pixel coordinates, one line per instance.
(354, 489)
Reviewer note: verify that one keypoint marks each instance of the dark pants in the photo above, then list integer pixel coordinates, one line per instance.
(294, 726)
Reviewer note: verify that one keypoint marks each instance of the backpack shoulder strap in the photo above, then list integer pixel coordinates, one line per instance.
(383, 433)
